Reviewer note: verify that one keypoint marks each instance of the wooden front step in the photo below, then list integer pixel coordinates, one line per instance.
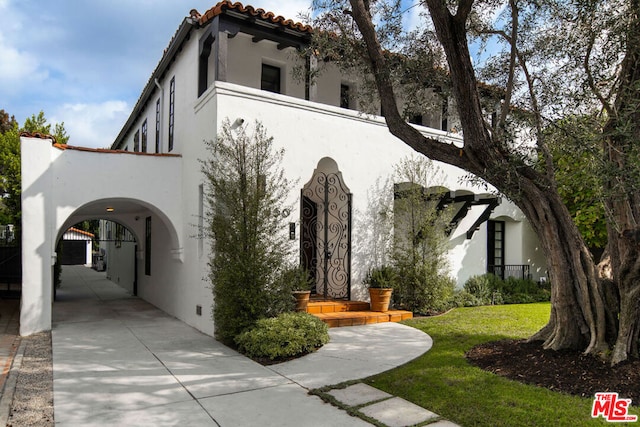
(335, 306)
(353, 313)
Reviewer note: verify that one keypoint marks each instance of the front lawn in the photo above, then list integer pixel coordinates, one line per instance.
(444, 382)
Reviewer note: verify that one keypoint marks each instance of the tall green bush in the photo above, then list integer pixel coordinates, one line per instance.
(246, 193)
(419, 252)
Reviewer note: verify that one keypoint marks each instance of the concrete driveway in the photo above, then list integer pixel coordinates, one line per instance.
(117, 360)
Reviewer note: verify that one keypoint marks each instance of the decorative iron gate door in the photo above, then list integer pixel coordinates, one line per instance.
(325, 245)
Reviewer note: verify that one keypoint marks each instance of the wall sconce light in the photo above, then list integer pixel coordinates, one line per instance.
(292, 231)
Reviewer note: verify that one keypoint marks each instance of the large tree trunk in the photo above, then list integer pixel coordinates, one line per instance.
(578, 318)
(622, 133)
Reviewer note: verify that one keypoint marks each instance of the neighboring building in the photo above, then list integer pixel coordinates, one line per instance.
(234, 63)
(7, 234)
(76, 247)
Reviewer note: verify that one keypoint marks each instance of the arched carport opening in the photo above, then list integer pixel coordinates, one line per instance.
(123, 238)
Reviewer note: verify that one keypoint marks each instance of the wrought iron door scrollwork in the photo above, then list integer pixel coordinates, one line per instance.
(326, 234)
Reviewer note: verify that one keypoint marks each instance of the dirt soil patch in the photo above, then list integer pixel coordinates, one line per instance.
(564, 371)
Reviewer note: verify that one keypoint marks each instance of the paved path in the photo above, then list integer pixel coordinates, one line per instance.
(117, 360)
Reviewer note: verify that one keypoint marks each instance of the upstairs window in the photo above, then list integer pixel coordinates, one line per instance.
(144, 136)
(270, 78)
(416, 119)
(445, 116)
(172, 107)
(158, 125)
(345, 96)
(136, 141)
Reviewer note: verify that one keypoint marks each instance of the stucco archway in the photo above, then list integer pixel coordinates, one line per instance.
(63, 185)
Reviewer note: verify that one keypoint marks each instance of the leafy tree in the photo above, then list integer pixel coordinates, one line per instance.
(575, 145)
(557, 58)
(246, 193)
(6, 123)
(10, 178)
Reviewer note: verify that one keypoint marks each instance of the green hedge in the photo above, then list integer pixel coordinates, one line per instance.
(489, 289)
(285, 336)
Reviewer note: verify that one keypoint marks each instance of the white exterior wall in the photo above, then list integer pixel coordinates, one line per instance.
(120, 268)
(245, 59)
(365, 152)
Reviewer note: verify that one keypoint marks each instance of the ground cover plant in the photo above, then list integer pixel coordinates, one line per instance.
(445, 382)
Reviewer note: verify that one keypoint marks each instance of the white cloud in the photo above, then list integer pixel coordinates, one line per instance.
(289, 9)
(17, 67)
(92, 125)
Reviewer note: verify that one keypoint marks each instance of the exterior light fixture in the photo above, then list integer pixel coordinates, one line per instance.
(110, 209)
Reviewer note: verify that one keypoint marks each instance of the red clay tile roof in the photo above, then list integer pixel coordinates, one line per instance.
(248, 10)
(86, 233)
(38, 135)
(63, 147)
(107, 150)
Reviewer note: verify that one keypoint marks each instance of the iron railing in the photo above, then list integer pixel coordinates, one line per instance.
(521, 271)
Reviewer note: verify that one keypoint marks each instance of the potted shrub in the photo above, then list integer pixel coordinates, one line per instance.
(380, 281)
(300, 282)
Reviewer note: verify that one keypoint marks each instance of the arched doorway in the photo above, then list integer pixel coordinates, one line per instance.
(325, 244)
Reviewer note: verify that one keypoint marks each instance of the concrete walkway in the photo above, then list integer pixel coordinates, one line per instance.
(117, 360)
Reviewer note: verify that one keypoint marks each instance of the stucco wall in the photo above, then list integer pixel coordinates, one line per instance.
(365, 153)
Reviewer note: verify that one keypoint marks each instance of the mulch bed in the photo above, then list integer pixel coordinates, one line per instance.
(564, 371)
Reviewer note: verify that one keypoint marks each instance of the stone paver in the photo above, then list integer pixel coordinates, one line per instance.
(397, 412)
(358, 394)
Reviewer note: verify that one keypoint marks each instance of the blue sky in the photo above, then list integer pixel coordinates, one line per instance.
(85, 63)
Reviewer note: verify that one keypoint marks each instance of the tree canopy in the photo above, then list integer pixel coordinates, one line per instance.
(10, 177)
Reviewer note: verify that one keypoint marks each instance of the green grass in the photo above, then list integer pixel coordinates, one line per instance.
(444, 382)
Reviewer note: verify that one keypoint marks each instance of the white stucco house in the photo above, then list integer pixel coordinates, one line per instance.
(234, 63)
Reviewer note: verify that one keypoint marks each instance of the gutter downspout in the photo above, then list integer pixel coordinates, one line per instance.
(161, 119)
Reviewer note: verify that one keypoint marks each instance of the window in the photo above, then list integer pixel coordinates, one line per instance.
(270, 78)
(445, 114)
(416, 119)
(158, 125)
(144, 136)
(345, 96)
(147, 246)
(136, 141)
(495, 247)
(172, 101)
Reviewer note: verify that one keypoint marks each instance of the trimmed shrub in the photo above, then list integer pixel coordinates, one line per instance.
(288, 335)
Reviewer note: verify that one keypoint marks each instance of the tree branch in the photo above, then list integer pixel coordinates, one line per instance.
(431, 148)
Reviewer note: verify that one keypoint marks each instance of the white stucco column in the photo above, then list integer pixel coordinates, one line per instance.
(37, 235)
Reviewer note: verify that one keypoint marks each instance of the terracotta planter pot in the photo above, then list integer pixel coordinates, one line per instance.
(380, 298)
(302, 300)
